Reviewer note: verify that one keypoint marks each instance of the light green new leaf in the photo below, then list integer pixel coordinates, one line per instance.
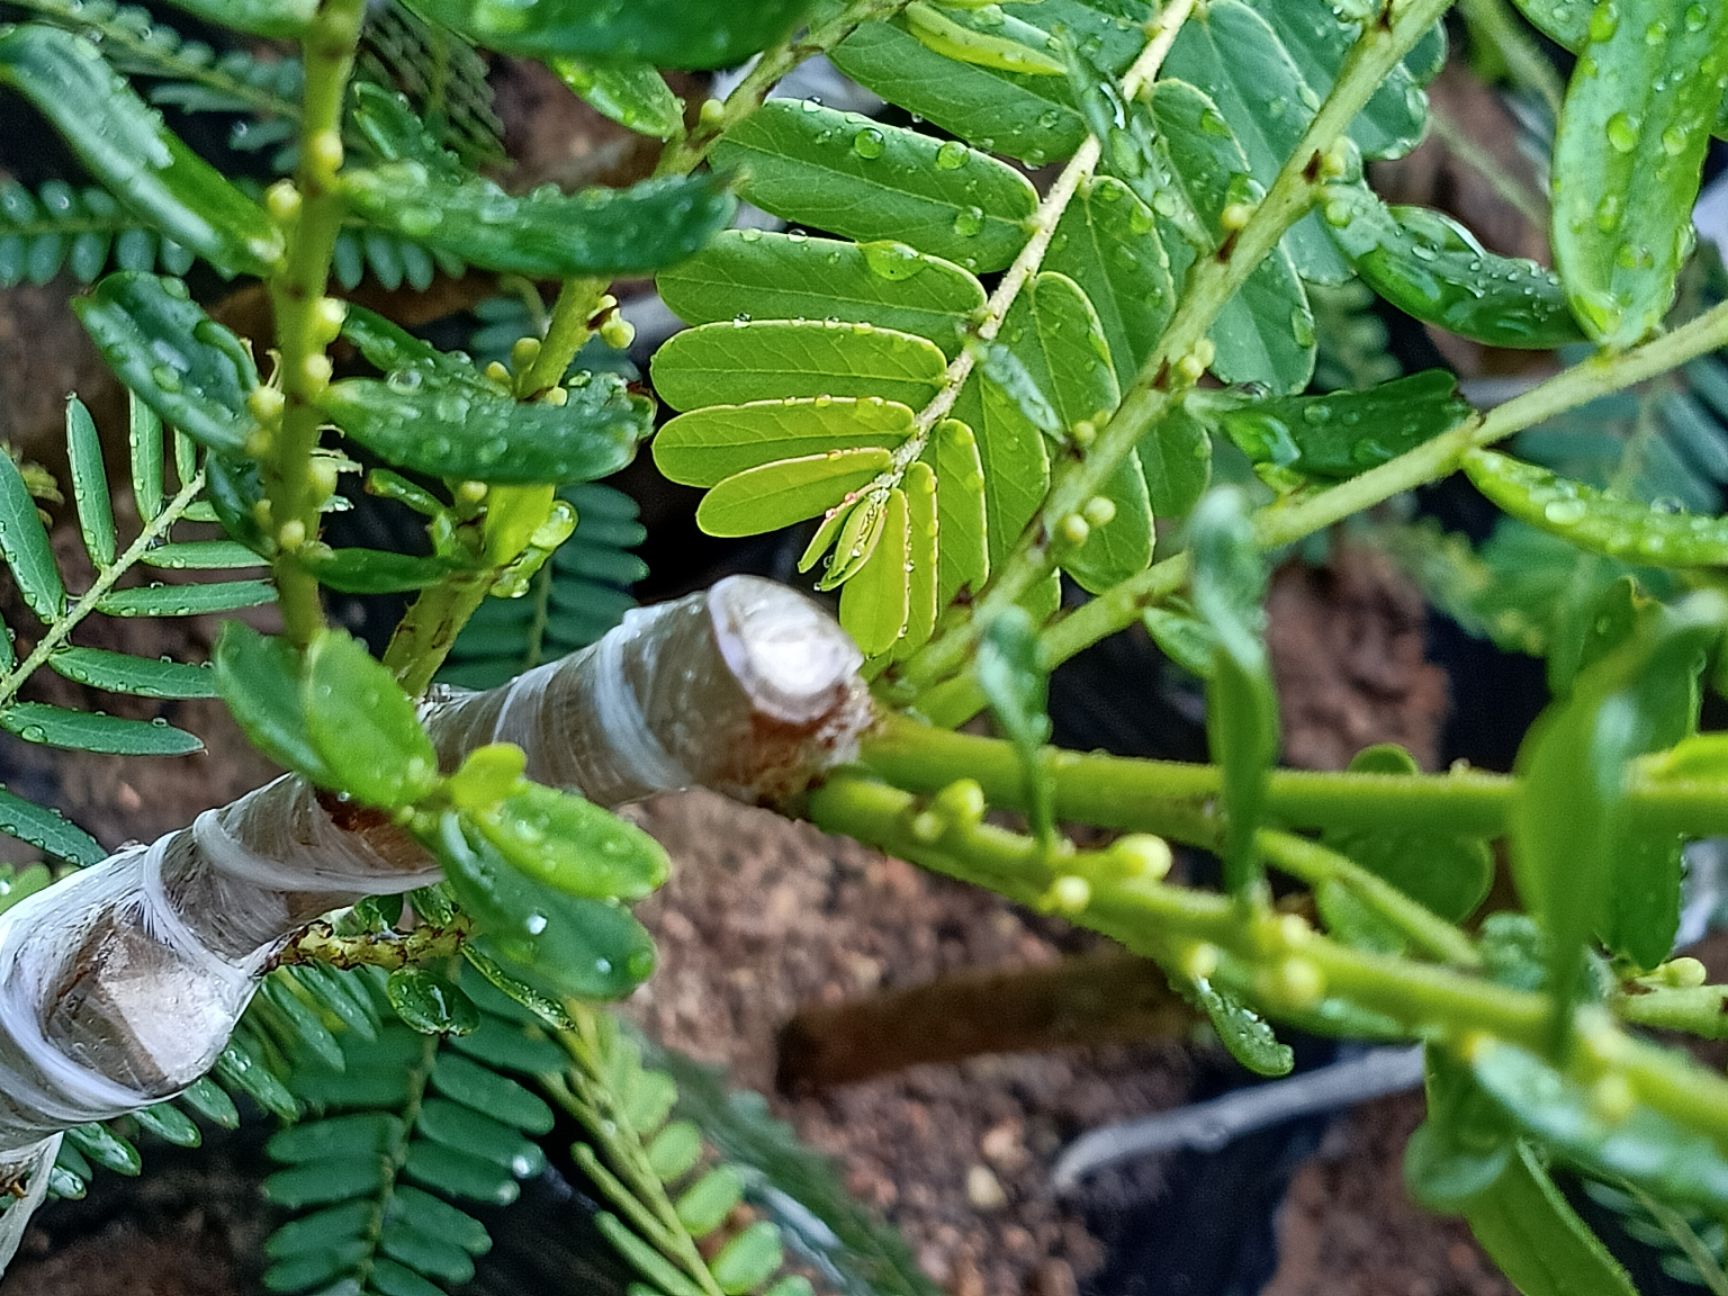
(1627, 156)
(730, 364)
(47, 830)
(789, 276)
(632, 94)
(363, 726)
(1432, 268)
(1595, 520)
(187, 368)
(964, 554)
(1107, 242)
(1002, 42)
(94, 731)
(90, 484)
(25, 547)
(1235, 55)
(923, 579)
(1265, 333)
(876, 602)
(788, 490)
(123, 141)
(1241, 706)
(545, 233)
(1527, 1226)
(665, 33)
(118, 672)
(866, 180)
(705, 446)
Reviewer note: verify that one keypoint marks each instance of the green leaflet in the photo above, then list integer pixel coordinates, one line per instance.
(1430, 267)
(1595, 520)
(1671, 1162)
(730, 364)
(1344, 433)
(963, 559)
(124, 143)
(923, 558)
(1024, 117)
(90, 485)
(186, 367)
(1265, 333)
(1235, 55)
(428, 1003)
(791, 276)
(159, 600)
(1632, 134)
(847, 174)
(705, 446)
(25, 547)
(151, 677)
(1464, 1145)
(259, 678)
(1015, 459)
(372, 571)
(47, 830)
(1450, 875)
(1176, 458)
(573, 845)
(1052, 327)
(998, 41)
(364, 728)
(1567, 23)
(94, 731)
(545, 233)
(1317, 39)
(258, 17)
(1107, 242)
(778, 494)
(876, 602)
(632, 94)
(1531, 1231)
(665, 33)
(1229, 586)
(1245, 1034)
(1570, 814)
(459, 425)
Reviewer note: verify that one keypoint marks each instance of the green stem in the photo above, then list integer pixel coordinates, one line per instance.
(426, 633)
(1439, 1004)
(303, 327)
(1173, 366)
(1178, 799)
(320, 943)
(57, 633)
(571, 325)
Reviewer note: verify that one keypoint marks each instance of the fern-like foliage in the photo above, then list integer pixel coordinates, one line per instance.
(441, 74)
(80, 231)
(167, 498)
(580, 594)
(408, 1133)
(868, 381)
(1692, 1246)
